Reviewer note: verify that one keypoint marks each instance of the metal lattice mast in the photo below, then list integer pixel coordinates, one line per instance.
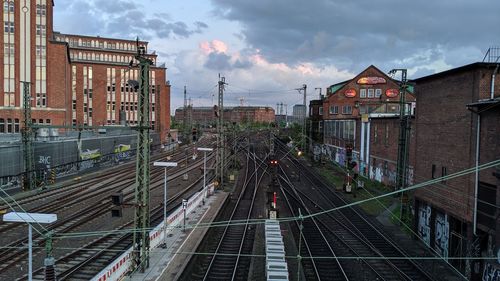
(403, 145)
(141, 219)
(220, 132)
(27, 136)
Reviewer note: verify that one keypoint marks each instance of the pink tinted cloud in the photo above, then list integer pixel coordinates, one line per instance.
(215, 45)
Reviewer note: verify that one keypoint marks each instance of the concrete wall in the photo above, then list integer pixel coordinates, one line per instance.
(61, 157)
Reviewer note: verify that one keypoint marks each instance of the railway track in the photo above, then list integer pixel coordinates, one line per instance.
(353, 233)
(85, 262)
(79, 207)
(232, 245)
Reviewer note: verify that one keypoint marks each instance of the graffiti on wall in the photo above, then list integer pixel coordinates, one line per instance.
(491, 272)
(424, 223)
(10, 181)
(122, 152)
(442, 234)
(44, 160)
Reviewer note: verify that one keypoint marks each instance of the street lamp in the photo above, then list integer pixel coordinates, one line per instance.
(204, 149)
(30, 218)
(165, 165)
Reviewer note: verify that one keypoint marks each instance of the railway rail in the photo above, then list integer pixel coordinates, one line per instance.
(231, 246)
(85, 262)
(352, 233)
(78, 205)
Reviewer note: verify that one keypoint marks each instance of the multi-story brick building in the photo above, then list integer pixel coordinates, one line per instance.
(315, 126)
(458, 126)
(364, 112)
(239, 114)
(75, 80)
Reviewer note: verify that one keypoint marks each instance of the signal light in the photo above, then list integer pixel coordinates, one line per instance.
(117, 200)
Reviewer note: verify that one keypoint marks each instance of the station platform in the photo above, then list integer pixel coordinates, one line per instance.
(168, 264)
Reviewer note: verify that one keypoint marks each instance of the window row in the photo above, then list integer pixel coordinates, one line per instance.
(103, 57)
(9, 125)
(334, 109)
(370, 93)
(79, 42)
(340, 129)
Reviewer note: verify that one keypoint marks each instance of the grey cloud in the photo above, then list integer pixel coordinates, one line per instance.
(200, 25)
(245, 64)
(357, 32)
(123, 18)
(117, 6)
(218, 61)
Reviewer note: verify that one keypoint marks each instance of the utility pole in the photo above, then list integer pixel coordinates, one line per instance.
(403, 145)
(141, 219)
(220, 132)
(304, 146)
(27, 136)
(190, 119)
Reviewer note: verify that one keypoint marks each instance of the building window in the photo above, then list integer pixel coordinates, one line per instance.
(320, 111)
(41, 10)
(362, 93)
(433, 171)
(346, 109)
(371, 93)
(8, 6)
(9, 125)
(2, 125)
(8, 49)
(9, 27)
(378, 93)
(16, 125)
(40, 30)
(334, 109)
(41, 51)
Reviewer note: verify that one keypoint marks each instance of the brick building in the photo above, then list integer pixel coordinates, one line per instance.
(364, 112)
(75, 80)
(316, 120)
(239, 114)
(457, 108)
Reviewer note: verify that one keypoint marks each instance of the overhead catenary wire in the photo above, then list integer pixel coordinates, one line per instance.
(166, 250)
(288, 219)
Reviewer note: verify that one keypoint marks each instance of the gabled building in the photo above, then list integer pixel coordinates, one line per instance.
(364, 112)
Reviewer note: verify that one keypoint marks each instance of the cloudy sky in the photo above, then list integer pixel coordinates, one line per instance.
(267, 48)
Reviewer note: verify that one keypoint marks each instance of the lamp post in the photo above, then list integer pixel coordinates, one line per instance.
(204, 149)
(30, 218)
(165, 165)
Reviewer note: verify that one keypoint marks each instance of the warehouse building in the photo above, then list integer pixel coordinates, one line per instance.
(74, 79)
